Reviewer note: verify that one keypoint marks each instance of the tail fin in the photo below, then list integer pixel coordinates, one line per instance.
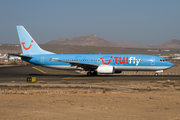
(28, 44)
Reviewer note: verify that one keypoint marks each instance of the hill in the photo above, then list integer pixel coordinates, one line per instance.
(174, 43)
(91, 40)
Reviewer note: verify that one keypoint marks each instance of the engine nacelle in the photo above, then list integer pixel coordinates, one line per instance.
(105, 69)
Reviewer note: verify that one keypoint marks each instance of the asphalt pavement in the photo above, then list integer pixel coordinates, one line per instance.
(20, 74)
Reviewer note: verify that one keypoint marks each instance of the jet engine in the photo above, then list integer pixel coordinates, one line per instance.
(105, 69)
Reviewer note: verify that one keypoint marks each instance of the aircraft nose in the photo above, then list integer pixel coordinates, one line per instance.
(170, 64)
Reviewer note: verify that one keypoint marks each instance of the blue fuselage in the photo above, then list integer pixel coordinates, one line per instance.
(119, 61)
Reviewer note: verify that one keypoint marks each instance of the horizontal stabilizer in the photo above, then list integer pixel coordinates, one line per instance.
(20, 55)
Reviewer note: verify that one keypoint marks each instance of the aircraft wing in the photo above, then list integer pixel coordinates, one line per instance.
(20, 55)
(85, 66)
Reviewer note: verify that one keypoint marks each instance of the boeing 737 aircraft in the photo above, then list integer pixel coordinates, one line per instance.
(93, 63)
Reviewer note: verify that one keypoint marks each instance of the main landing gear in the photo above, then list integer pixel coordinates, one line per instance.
(89, 73)
(94, 73)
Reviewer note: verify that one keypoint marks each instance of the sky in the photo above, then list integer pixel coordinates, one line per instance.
(143, 22)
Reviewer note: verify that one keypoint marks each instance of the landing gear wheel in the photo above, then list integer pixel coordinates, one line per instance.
(95, 73)
(156, 74)
(89, 73)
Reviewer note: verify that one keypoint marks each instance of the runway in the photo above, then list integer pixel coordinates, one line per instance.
(20, 74)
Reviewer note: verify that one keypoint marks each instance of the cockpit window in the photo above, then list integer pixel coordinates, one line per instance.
(162, 60)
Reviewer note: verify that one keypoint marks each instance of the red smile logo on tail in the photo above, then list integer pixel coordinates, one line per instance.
(23, 43)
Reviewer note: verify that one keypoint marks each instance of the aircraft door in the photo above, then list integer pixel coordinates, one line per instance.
(152, 61)
(42, 60)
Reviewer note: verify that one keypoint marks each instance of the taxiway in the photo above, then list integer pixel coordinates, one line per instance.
(20, 74)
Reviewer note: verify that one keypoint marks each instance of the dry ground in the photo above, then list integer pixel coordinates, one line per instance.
(148, 100)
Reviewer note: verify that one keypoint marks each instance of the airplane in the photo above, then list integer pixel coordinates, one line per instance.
(94, 64)
(3, 56)
(14, 57)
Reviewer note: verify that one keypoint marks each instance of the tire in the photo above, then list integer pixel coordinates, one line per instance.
(156, 74)
(89, 73)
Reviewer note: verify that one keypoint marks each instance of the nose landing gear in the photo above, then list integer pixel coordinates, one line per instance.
(156, 74)
(159, 71)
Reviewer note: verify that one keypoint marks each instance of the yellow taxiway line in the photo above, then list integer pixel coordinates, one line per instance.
(39, 70)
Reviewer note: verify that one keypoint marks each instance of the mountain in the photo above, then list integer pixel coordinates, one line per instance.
(174, 43)
(88, 40)
(91, 40)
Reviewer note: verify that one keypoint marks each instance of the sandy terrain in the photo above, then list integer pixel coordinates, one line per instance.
(148, 100)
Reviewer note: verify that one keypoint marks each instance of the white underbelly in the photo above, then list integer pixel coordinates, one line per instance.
(139, 68)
